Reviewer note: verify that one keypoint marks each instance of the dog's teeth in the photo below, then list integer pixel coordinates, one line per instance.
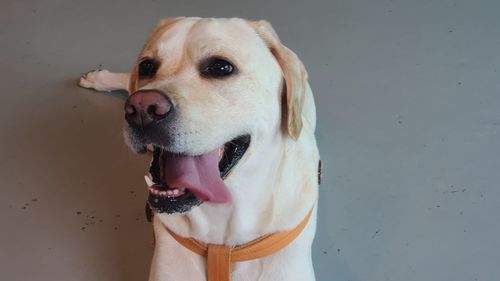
(150, 147)
(149, 181)
(170, 192)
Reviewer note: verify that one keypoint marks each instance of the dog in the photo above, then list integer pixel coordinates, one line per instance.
(229, 116)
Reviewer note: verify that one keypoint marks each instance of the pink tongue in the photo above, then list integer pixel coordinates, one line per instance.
(200, 174)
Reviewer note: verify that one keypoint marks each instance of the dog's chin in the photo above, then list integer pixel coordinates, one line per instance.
(178, 182)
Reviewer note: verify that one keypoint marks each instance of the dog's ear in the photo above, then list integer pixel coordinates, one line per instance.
(294, 74)
(163, 26)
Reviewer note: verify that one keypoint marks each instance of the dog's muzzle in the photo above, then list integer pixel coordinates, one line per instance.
(178, 181)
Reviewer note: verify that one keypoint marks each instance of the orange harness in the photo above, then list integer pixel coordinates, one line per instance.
(220, 258)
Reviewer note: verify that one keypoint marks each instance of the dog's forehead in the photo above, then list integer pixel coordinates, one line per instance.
(229, 30)
(201, 35)
(167, 37)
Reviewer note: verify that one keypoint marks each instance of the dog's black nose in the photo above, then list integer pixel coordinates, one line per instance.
(147, 106)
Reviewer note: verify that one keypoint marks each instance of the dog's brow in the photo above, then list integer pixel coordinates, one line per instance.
(145, 58)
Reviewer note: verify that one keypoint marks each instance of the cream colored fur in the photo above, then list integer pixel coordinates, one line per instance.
(275, 183)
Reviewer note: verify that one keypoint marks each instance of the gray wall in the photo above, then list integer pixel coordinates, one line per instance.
(408, 108)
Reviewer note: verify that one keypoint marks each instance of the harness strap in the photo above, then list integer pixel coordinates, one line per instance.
(220, 258)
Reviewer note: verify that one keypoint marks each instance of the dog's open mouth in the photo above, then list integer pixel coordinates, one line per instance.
(177, 182)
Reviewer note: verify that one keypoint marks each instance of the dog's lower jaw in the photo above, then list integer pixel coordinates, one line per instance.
(264, 199)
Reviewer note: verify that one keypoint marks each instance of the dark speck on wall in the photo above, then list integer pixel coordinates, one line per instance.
(400, 119)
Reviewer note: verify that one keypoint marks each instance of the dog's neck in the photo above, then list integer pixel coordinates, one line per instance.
(253, 214)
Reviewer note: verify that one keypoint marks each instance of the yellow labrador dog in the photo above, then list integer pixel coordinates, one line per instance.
(229, 115)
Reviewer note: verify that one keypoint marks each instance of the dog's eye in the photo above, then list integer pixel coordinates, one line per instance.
(217, 68)
(147, 68)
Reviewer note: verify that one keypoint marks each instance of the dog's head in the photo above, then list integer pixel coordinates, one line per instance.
(204, 94)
